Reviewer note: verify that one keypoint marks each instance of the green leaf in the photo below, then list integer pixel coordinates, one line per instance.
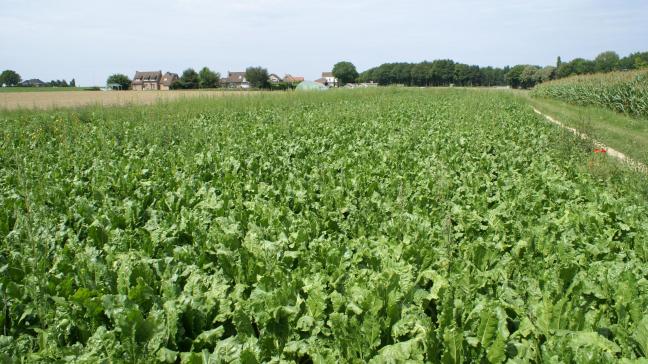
(496, 353)
(641, 335)
(453, 347)
(165, 355)
(487, 327)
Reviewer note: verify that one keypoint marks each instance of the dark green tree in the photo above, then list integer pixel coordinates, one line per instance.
(546, 74)
(513, 77)
(420, 74)
(583, 66)
(462, 74)
(606, 62)
(120, 79)
(346, 72)
(9, 78)
(189, 79)
(529, 76)
(401, 73)
(640, 60)
(257, 77)
(443, 72)
(208, 78)
(73, 83)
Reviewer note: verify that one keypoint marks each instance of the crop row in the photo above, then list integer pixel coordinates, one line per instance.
(625, 92)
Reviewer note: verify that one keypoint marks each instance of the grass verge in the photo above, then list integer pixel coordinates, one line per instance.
(626, 134)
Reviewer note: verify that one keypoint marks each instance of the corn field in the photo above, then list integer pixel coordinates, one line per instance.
(625, 92)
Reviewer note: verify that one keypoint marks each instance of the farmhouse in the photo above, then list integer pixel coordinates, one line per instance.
(236, 80)
(274, 78)
(167, 80)
(293, 79)
(34, 82)
(330, 79)
(145, 81)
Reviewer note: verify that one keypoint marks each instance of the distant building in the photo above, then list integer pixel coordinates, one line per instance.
(330, 79)
(34, 82)
(274, 78)
(293, 79)
(236, 80)
(167, 80)
(322, 81)
(147, 81)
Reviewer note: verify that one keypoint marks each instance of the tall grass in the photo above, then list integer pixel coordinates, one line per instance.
(625, 92)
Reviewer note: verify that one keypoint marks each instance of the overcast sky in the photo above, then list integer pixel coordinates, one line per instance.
(90, 39)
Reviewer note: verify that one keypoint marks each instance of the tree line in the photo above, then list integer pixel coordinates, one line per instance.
(12, 78)
(446, 72)
(442, 72)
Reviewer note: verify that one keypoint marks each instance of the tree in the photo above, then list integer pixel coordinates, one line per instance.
(9, 78)
(606, 61)
(583, 66)
(401, 73)
(546, 74)
(383, 74)
(513, 76)
(208, 78)
(633, 61)
(462, 74)
(443, 71)
(120, 79)
(257, 77)
(529, 76)
(420, 74)
(558, 62)
(640, 60)
(346, 72)
(189, 79)
(73, 83)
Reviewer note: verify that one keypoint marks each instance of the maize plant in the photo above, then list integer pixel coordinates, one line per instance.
(625, 92)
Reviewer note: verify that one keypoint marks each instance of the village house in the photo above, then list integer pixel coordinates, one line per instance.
(293, 79)
(236, 80)
(32, 83)
(329, 79)
(146, 81)
(167, 80)
(274, 78)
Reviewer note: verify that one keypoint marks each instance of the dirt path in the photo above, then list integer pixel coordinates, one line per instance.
(633, 164)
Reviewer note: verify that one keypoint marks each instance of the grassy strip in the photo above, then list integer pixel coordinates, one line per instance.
(627, 134)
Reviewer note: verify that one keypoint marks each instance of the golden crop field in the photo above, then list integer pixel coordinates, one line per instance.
(50, 100)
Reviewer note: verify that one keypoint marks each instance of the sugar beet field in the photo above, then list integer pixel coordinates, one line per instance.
(377, 226)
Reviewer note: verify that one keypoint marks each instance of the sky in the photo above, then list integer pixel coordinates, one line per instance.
(90, 39)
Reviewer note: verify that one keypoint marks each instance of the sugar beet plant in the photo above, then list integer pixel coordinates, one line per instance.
(381, 226)
(625, 92)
